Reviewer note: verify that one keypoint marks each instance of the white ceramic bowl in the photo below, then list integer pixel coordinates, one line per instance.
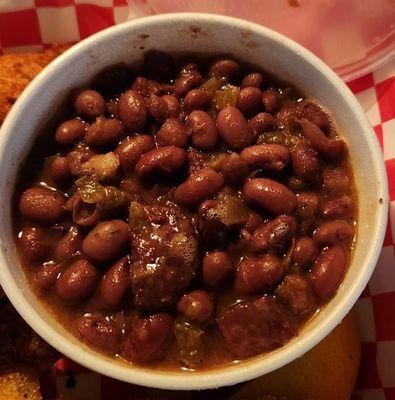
(208, 34)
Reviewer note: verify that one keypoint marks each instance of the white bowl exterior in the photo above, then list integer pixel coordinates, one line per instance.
(203, 34)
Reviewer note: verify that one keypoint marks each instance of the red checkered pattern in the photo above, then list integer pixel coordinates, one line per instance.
(61, 21)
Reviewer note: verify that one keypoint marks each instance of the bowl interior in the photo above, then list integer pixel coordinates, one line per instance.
(206, 34)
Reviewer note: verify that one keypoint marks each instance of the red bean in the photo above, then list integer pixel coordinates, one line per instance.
(305, 252)
(270, 195)
(172, 133)
(234, 169)
(34, 244)
(334, 232)
(47, 274)
(271, 100)
(149, 339)
(258, 274)
(308, 204)
(255, 326)
(337, 207)
(195, 161)
(69, 244)
(328, 271)
(314, 113)
(249, 101)
(89, 104)
(70, 132)
(335, 181)
(229, 69)
(60, 171)
(272, 157)
(166, 160)
(203, 130)
(78, 281)
(86, 215)
(273, 234)
(255, 79)
(261, 123)
(157, 108)
(145, 86)
(132, 111)
(295, 292)
(41, 205)
(200, 186)
(187, 80)
(106, 241)
(77, 157)
(254, 221)
(331, 149)
(197, 305)
(116, 283)
(305, 163)
(234, 129)
(131, 149)
(101, 333)
(197, 99)
(217, 266)
(173, 105)
(104, 132)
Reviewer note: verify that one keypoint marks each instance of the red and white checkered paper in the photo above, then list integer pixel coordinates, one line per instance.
(29, 25)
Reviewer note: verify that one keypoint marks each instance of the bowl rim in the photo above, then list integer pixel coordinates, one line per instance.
(227, 375)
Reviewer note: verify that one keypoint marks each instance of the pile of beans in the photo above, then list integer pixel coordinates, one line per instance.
(188, 214)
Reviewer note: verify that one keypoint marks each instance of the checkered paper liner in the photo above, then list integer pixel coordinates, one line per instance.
(29, 25)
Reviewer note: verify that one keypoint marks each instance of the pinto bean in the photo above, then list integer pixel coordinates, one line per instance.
(203, 130)
(307, 204)
(187, 80)
(255, 326)
(69, 244)
(145, 87)
(173, 105)
(106, 241)
(84, 214)
(227, 68)
(335, 181)
(258, 274)
(47, 274)
(116, 283)
(337, 207)
(99, 332)
(217, 266)
(166, 160)
(234, 169)
(261, 123)
(70, 132)
(197, 99)
(104, 132)
(197, 305)
(131, 149)
(334, 232)
(77, 282)
(41, 205)
(33, 243)
(255, 79)
(89, 104)
(157, 108)
(200, 186)
(314, 113)
(271, 100)
(328, 271)
(149, 339)
(234, 129)
(305, 252)
(270, 195)
(172, 133)
(295, 292)
(249, 101)
(273, 234)
(60, 171)
(79, 155)
(254, 221)
(195, 161)
(305, 163)
(330, 149)
(272, 157)
(132, 111)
